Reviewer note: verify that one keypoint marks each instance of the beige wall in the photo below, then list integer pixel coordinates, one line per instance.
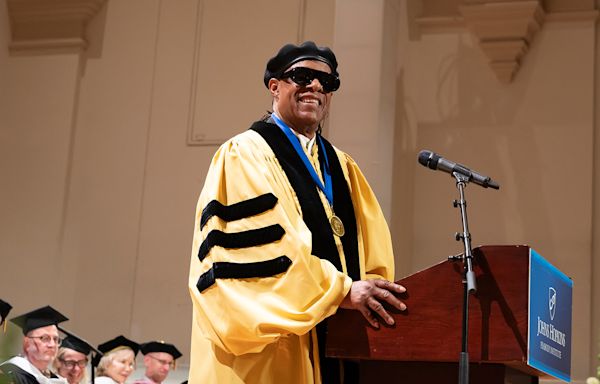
(103, 154)
(533, 136)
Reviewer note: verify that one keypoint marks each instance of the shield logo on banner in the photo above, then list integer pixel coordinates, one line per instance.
(552, 302)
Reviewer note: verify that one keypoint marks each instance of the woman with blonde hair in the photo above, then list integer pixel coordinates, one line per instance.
(118, 361)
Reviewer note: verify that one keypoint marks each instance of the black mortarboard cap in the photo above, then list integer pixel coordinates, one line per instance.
(119, 341)
(41, 317)
(290, 54)
(4, 309)
(76, 343)
(160, 346)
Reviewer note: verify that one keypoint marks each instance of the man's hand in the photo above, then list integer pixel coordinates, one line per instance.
(367, 297)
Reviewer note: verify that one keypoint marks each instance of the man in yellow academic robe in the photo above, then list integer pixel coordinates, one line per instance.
(287, 231)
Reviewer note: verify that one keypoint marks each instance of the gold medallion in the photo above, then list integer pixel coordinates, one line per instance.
(337, 225)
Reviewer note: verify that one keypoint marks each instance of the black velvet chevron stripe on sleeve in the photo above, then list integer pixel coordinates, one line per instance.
(239, 210)
(244, 239)
(225, 270)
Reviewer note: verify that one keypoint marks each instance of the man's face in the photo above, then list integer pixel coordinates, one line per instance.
(41, 345)
(71, 365)
(301, 107)
(158, 365)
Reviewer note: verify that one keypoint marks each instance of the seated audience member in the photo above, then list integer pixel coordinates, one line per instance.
(40, 345)
(159, 359)
(4, 310)
(73, 358)
(118, 361)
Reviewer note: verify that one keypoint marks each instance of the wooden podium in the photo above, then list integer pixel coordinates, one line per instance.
(424, 344)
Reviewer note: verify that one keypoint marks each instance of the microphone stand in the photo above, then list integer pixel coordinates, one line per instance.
(468, 278)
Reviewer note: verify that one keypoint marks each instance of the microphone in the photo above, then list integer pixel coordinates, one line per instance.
(435, 161)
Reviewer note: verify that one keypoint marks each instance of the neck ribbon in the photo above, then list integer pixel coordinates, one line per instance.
(327, 188)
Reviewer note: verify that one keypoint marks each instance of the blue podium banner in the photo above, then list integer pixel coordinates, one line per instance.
(550, 303)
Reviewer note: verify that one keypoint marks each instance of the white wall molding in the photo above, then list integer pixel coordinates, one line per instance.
(203, 117)
(40, 26)
(505, 29)
(585, 16)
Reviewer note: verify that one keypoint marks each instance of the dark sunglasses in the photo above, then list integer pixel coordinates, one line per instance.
(304, 76)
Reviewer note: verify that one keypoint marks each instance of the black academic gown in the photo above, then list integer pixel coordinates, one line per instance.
(11, 374)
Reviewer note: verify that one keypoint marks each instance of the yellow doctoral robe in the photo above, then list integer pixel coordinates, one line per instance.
(261, 329)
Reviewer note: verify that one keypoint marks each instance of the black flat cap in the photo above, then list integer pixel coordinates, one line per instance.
(4, 309)
(160, 346)
(119, 341)
(76, 343)
(38, 318)
(290, 54)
